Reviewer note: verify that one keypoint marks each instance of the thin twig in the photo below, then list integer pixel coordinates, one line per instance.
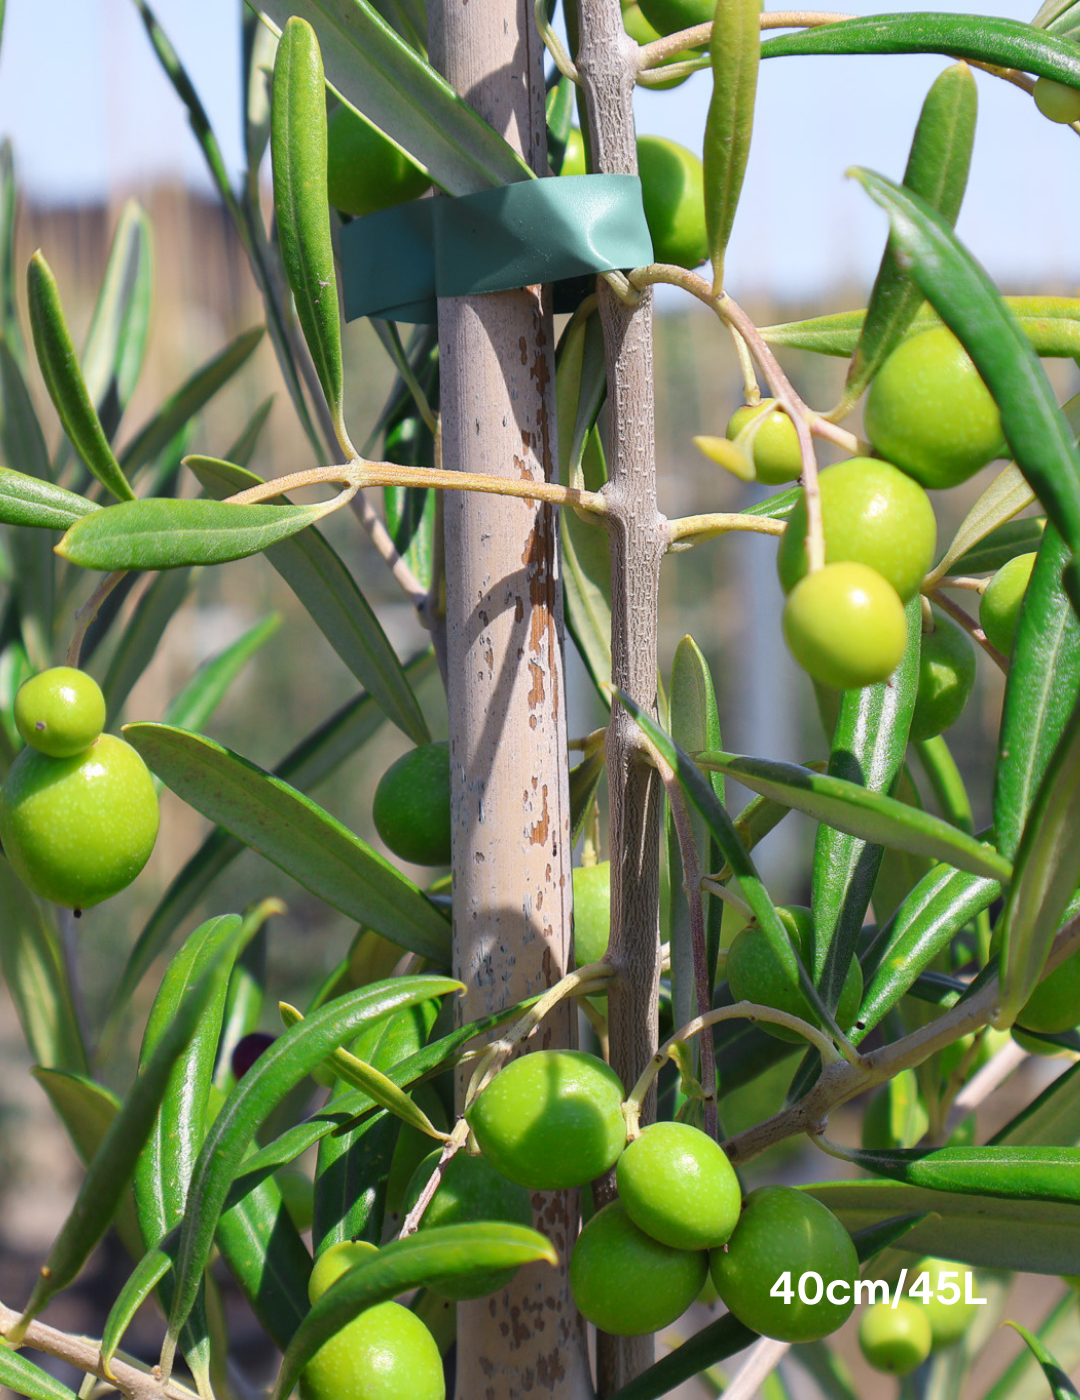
(765, 1355)
(85, 616)
(971, 627)
(454, 1143)
(689, 530)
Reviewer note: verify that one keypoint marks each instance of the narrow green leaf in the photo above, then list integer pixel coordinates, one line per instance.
(444, 1252)
(1041, 692)
(373, 1082)
(866, 753)
(1047, 873)
(1002, 544)
(373, 70)
(196, 701)
(584, 783)
(1052, 324)
(139, 1285)
(32, 963)
(116, 341)
(313, 760)
(1021, 1173)
(1061, 1387)
(113, 1164)
(243, 1006)
(937, 170)
(319, 578)
(21, 436)
(192, 396)
(872, 816)
(21, 1375)
(298, 147)
(734, 53)
(268, 1259)
(10, 326)
(27, 500)
(295, 834)
(159, 533)
(699, 790)
(64, 381)
(1039, 1237)
(695, 725)
(283, 1065)
(587, 581)
(1006, 495)
(1006, 43)
(1024, 1378)
(580, 390)
(922, 928)
(1034, 426)
(139, 640)
(1052, 1119)
(243, 448)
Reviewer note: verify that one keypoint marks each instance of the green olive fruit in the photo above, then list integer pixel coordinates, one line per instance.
(78, 830)
(385, 1353)
(948, 1321)
(679, 1187)
(60, 712)
(754, 974)
(999, 607)
(845, 626)
(628, 1283)
(412, 805)
(365, 170)
(574, 154)
(872, 514)
(673, 193)
(777, 457)
(946, 676)
(1054, 1005)
(470, 1189)
(412, 1146)
(895, 1337)
(669, 16)
(930, 413)
(895, 1116)
(1057, 101)
(784, 1231)
(551, 1120)
(1034, 1046)
(592, 912)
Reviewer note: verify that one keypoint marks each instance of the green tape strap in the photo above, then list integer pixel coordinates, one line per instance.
(396, 263)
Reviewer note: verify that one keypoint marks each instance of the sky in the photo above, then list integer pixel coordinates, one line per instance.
(90, 113)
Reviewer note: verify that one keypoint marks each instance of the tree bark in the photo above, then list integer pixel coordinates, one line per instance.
(512, 889)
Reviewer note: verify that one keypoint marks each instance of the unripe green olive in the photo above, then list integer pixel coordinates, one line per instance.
(930, 413)
(948, 1321)
(895, 1337)
(999, 607)
(1054, 1005)
(673, 193)
(754, 974)
(780, 1231)
(679, 1187)
(669, 16)
(60, 711)
(845, 625)
(642, 32)
(365, 170)
(470, 1189)
(411, 807)
(78, 830)
(628, 1283)
(551, 1120)
(1057, 101)
(592, 912)
(777, 456)
(946, 676)
(385, 1353)
(871, 513)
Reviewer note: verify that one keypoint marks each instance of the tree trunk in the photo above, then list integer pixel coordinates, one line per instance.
(510, 796)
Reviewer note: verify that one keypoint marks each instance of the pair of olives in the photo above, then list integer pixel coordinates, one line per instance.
(78, 809)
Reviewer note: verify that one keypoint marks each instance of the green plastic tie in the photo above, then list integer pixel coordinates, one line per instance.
(396, 263)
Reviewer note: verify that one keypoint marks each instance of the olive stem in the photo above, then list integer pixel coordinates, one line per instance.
(692, 891)
(694, 529)
(840, 1082)
(751, 388)
(453, 1144)
(971, 627)
(976, 585)
(561, 59)
(700, 34)
(721, 891)
(387, 332)
(85, 616)
(741, 1011)
(134, 1380)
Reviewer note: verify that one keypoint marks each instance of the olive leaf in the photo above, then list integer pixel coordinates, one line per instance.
(734, 52)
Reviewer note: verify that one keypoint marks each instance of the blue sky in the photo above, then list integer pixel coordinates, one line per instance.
(90, 112)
